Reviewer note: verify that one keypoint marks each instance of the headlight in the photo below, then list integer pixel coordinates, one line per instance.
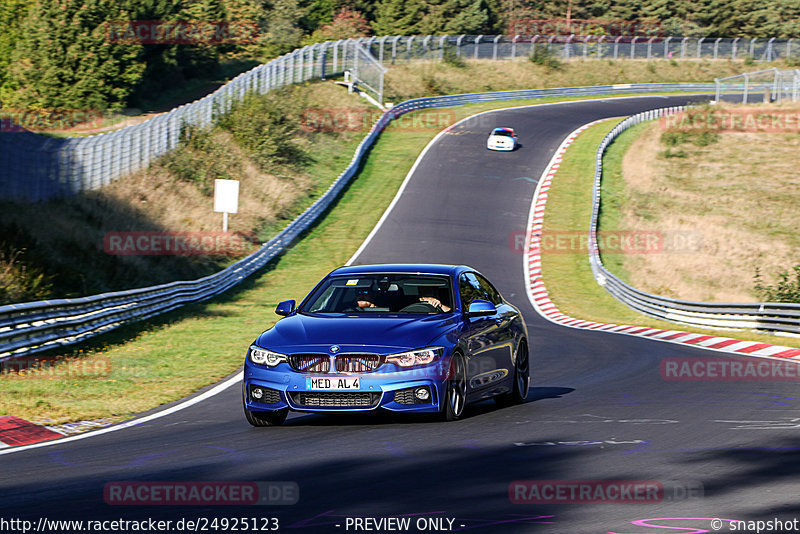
(416, 357)
(265, 357)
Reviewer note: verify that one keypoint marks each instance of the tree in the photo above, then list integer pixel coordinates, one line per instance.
(345, 25)
(474, 17)
(12, 13)
(281, 32)
(399, 17)
(63, 58)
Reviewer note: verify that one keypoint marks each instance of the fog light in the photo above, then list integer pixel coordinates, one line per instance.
(257, 393)
(422, 393)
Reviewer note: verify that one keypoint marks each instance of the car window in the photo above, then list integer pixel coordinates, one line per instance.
(381, 293)
(470, 288)
(494, 295)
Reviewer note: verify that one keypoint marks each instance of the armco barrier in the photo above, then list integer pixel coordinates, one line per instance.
(35, 326)
(778, 317)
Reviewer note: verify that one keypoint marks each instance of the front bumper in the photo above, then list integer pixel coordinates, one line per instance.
(494, 145)
(391, 390)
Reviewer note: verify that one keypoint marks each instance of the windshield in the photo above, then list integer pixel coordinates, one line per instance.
(503, 131)
(387, 293)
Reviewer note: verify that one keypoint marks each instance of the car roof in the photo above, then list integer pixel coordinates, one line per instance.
(509, 130)
(409, 268)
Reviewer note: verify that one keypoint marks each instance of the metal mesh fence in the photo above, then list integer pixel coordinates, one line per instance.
(769, 85)
(35, 168)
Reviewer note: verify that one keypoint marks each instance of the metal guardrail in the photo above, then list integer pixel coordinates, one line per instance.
(767, 316)
(32, 327)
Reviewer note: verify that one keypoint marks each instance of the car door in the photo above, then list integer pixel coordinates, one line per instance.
(503, 336)
(483, 335)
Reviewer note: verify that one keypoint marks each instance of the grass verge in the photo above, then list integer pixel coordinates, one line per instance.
(568, 276)
(722, 214)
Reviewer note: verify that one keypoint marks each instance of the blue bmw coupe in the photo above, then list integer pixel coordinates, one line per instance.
(404, 338)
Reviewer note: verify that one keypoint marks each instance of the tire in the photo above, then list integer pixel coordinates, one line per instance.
(456, 392)
(258, 418)
(266, 418)
(522, 379)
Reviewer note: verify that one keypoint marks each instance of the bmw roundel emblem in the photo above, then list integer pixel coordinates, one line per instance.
(334, 349)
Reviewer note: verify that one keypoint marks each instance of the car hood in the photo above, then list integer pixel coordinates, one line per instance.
(379, 334)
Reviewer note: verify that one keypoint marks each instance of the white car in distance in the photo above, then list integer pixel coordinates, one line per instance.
(502, 139)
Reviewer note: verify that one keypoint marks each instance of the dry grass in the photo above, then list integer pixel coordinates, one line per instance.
(734, 200)
(427, 78)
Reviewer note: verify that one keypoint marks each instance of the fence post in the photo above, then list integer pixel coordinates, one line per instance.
(683, 47)
(568, 46)
(408, 48)
(735, 46)
(700, 46)
(458, 44)
(425, 42)
(716, 47)
(477, 43)
(753, 48)
(494, 49)
(746, 87)
(666, 47)
(796, 85)
(768, 52)
(616, 47)
(300, 63)
(514, 46)
(600, 46)
(380, 52)
(394, 49)
(633, 47)
(775, 86)
(442, 41)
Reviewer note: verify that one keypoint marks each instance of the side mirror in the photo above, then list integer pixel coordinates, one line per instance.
(285, 308)
(481, 308)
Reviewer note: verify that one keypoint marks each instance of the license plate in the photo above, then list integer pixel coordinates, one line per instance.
(333, 383)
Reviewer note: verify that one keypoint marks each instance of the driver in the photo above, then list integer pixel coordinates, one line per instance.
(429, 296)
(365, 299)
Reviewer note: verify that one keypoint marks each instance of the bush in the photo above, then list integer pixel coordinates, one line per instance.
(268, 127)
(787, 289)
(543, 56)
(432, 85)
(449, 57)
(202, 160)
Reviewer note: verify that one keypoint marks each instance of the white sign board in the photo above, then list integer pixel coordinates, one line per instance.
(226, 196)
